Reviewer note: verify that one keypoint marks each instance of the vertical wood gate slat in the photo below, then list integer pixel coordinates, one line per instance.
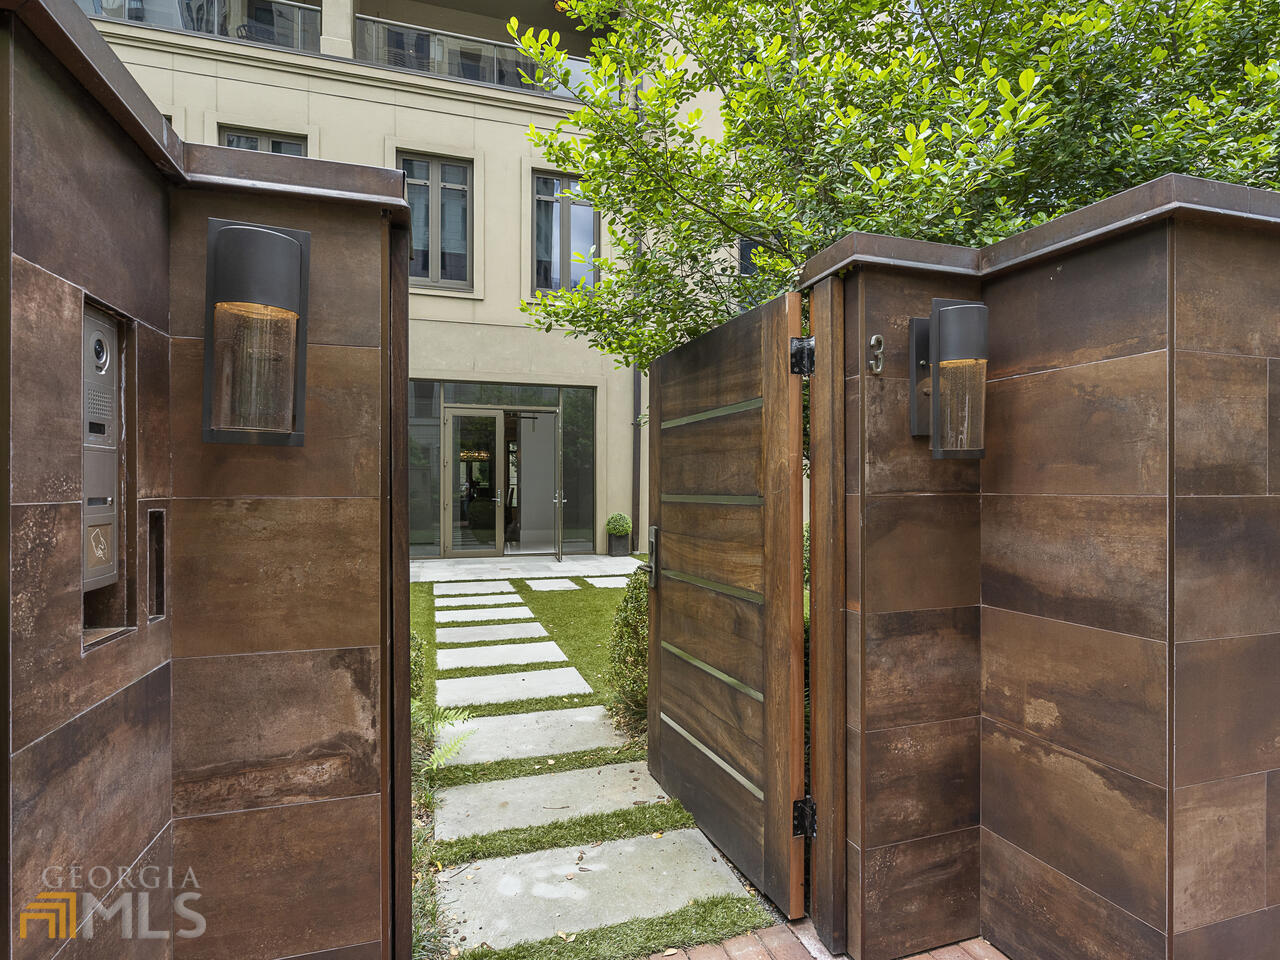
(726, 642)
(827, 622)
(784, 607)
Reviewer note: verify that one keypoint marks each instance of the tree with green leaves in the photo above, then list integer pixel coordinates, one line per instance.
(705, 127)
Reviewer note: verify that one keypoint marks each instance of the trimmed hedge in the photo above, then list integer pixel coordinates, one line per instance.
(628, 673)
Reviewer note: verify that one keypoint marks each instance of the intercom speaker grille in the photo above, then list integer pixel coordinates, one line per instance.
(101, 405)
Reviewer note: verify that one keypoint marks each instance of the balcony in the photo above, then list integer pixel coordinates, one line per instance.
(275, 23)
(388, 43)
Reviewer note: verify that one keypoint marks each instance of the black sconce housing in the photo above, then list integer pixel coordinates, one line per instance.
(948, 378)
(255, 334)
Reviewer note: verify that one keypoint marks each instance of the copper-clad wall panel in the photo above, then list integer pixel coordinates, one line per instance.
(87, 204)
(256, 756)
(1075, 616)
(1226, 602)
(913, 574)
(279, 570)
(89, 762)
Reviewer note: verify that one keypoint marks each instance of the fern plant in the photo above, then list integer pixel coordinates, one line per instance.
(430, 752)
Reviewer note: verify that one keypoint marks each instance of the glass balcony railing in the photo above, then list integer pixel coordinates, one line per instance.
(277, 23)
(391, 44)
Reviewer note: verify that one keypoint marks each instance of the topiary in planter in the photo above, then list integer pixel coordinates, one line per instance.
(618, 527)
(628, 672)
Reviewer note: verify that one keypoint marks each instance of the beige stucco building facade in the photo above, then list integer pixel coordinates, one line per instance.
(237, 72)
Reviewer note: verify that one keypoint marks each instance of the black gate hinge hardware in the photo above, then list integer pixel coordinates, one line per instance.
(804, 818)
(802, 361)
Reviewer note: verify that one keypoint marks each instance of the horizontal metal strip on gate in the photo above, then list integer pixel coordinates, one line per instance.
(718, 674)
(729, 590)
(713, 757)
(713, 499)
(727, 411)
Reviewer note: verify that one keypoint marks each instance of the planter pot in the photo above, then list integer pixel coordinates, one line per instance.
(619, 546)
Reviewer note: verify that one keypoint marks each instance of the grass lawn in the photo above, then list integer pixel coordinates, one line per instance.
(580, 622)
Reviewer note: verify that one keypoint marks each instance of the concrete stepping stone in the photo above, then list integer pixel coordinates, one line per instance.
(505, 687)
(472, 586)
(609, 583)
(491, 599)
(536, 895)
(530, 801)
(494, 656)
(558, 584)
(537, 734)
(467, 569)
(483, 613)
(489, 633)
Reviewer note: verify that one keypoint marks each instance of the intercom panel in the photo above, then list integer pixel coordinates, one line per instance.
(100, 363)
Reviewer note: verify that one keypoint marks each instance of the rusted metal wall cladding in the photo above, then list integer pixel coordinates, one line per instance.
(1063, 716)
(243, 733)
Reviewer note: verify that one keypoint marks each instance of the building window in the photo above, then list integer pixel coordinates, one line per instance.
(263, 140)
(563, 225)
(746, 265)
(439, 193)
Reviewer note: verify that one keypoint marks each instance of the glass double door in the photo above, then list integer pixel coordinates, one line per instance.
(501, 489)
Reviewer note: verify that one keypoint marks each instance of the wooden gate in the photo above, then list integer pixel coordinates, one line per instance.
(726, 646)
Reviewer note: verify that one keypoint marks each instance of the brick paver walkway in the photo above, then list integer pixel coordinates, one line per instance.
(788, 942)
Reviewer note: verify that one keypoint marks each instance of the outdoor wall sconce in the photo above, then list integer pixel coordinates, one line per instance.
(949, 378)
(255, 334)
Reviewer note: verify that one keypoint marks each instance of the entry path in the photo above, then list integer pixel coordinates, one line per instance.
(450, 573)
(557, 891)
(799, 941)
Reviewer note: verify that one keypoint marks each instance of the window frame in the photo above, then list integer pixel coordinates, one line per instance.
(435, 184)
(566, 231)
(267, 136)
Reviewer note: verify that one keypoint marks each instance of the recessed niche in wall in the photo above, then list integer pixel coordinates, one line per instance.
(107, 555)
(155, 565)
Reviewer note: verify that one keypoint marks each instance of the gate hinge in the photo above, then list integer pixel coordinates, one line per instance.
(804, 818)
(802, 356)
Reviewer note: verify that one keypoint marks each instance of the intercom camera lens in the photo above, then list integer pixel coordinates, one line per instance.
(99, 350)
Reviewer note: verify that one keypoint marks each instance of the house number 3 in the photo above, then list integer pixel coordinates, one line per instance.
(876, 358)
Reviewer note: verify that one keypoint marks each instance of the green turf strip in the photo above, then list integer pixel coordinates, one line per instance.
(528, 767)
(538, 703)
(455, 672)
(704, 921)
(573, 832)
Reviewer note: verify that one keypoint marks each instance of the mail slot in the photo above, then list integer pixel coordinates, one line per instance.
(100, 437)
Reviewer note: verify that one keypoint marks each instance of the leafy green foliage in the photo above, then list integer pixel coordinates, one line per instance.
(420, 652)
(806, 554)
(428, 752)
(618, 525)
(428, 723)
(705, 124)
(628, 674)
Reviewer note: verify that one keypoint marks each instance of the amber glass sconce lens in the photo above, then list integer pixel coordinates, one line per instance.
(253, 367)
(949, 378)
(255, 334)
(962, 395)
